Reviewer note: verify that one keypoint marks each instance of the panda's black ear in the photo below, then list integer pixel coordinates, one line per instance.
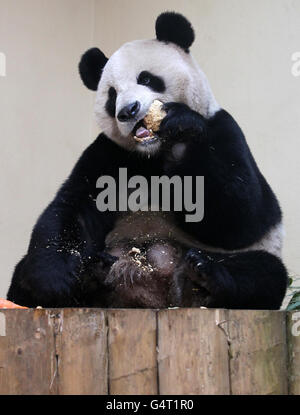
(91, 65)
(175, 28)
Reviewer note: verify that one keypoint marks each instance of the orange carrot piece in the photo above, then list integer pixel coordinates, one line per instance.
(8, 304)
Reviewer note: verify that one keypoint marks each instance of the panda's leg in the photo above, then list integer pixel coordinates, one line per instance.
(247, 280)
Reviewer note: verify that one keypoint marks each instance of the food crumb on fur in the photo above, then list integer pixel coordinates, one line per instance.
(140, 259)
(134, 251)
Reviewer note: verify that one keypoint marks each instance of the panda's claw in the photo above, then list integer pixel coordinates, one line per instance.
(197, 260)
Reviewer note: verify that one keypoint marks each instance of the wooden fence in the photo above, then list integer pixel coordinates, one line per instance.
(134, 351)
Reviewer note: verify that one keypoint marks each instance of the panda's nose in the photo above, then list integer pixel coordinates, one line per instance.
(129, 112)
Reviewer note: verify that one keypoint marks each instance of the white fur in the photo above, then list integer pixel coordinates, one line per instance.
(185, 82)
(271, 242)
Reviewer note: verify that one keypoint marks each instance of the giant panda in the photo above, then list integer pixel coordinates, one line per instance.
(81, 256)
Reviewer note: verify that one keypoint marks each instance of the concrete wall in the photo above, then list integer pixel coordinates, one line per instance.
(46, 119)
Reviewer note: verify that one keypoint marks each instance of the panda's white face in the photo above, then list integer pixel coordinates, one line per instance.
(139, 73)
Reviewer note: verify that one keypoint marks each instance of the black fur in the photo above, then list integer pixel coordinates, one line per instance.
(69, 235)
(110, 105)
(231, 280)
(90, 67)
(239, 204)
(156, 83)
(65, 265)
(175, 28)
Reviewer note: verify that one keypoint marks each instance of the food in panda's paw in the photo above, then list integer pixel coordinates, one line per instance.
(154, 116)
(151, 122)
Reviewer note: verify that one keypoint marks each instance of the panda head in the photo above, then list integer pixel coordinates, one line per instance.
(143, 71)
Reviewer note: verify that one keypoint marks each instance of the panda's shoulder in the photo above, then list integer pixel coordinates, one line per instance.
(99, 156)
(227, 139)
(102, 147)
(223, 125)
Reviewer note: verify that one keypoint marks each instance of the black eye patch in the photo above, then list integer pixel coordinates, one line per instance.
(153, 82)
(110, 105)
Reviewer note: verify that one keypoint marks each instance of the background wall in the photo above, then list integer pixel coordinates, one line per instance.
(46, 115)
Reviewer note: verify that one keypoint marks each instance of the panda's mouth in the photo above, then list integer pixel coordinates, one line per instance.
(143, 135)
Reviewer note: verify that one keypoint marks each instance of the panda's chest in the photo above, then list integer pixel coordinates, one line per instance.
(147, 227)
(140, 227)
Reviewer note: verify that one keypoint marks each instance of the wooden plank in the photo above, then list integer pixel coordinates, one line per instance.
(132, 352)
(81, 347)
(198, 351)
(192, 352)
(293, 334)
(258, 352)
(27, 353)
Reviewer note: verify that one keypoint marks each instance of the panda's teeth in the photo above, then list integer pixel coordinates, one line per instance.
(140, 140)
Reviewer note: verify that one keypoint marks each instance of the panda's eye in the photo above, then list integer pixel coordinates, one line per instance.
(110, 104)
(151, 81)
(146, 80)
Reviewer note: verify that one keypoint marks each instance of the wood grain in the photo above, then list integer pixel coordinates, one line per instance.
(258, 362)
(132, 352)
(81, 349)
(293, 334)
(173, 351)
(192, 352)
(27, 353)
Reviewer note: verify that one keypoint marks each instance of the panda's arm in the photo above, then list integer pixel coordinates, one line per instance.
(67, 235)
(239, 205)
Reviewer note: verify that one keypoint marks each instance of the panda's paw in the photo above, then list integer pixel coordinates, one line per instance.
(201, 268)
(198, 260)
(210, 273)
(181, 122)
